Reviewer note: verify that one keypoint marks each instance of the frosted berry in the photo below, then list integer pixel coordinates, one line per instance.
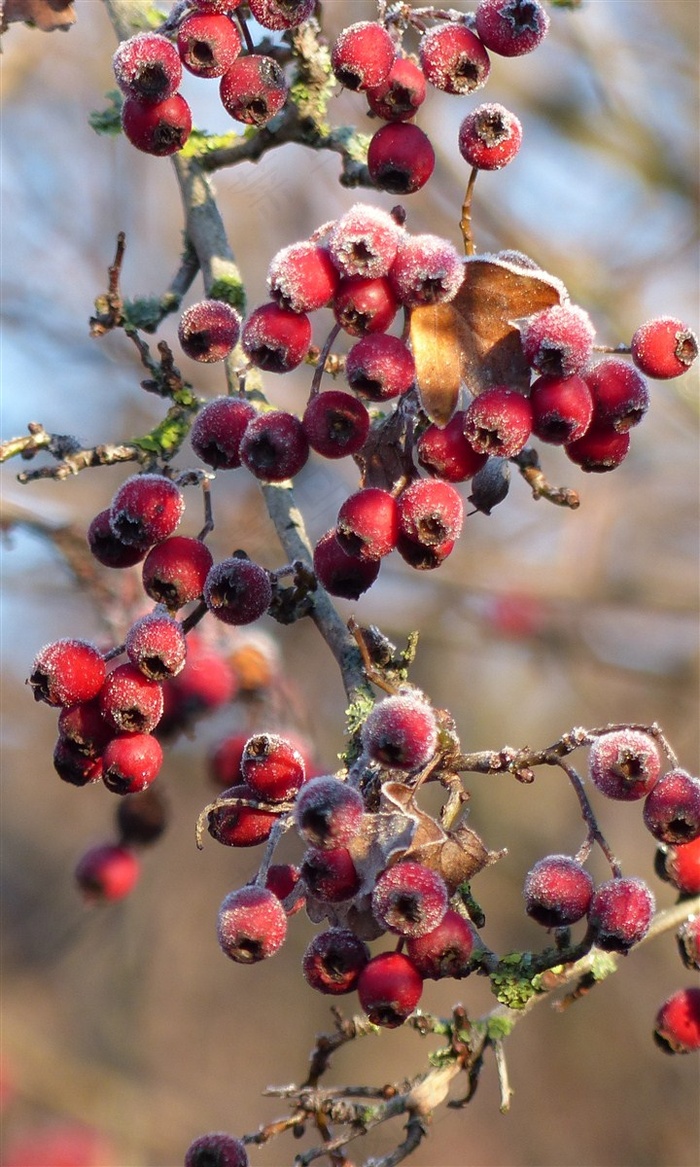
(336, 424)
(362, 306)
(558, 891)
(498, 421)
(423, 556)
(131, 762)
(688, 939)
(620, 913)
(511, 27)
(146, 509)
(362, 55)
(147, 67)
(238, 825)
(107, 872)
(328, 812)
(677, 1026)
(490, 485)
(334, 960)
(401, 732)
(272, 767)
(490, 137)
(130, 702)
(281, 14)
(672, 808)
(107, 549)
(601, 448)
(74, 766)
(445, 452)
(624, 764)
(141, 818)
(84, 727)
(409, 899)
(209, 330)
(341, 574)
(445, 951)
(282, 879)
(401, 93)
(237, 591)
(368, 523)
(400, 158)
(215, 5)
(430, 512)
(363, 241)
(454, 59)
(559, 340)
(275, 339)
(389, 988)
(302, 277)
(330, 875)
(159, 129)
(253, 90)
(251, 925)
(274, 446)
(157, 646)
(683, 867)
(620, 395)
(216, 1150)
(218, 429)
(562, 409)
(664, 348)
(427, 270)
(174, 571)
(208, 44)
(380, 367)
(67, 672)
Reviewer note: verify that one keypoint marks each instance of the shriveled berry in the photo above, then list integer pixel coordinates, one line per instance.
(141, 818)
(664, 347)
(558, 891)
(619, 393)
(490, 137)
(401, 732)
(251, 925)
(341, 574)
(334, 960)
(84, 727)
(336, 424)
(620, 913)
(131, 763)
(368, 523)
(454, 59)
(218, 429)
(427, 270)
(445, 452)
(274, 446)
(363, 241)
(498, 421)
(281, 14)
(430, 512)
(328, 812)
(389, 988)
(559, 340)
(157, 646)
(272, 766)
(147, 67)
(254, 89)
(74, 766)
(209, 330)
(208, 44)
(107, 549)
(688, 939)
(672, 808)
(445, 951)
(490, 485)
(216, 1149)
(174, 571)
(624, 764)
(401, 93)
(237, 591)
(400, 158)
(683, 867)
(275, 339)
(130, 702)
(236, 824)
(677, 1026)
(363, 306)
(159, 129)
(380, 367)
(511, 27)
(562, 409)
(362, 55)
(67, 672)
(330, 875)
(107, 872)
(409, 899)
(146, 509)
(302, 277)
(601, 448)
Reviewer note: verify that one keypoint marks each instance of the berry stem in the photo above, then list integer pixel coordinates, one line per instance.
(322, 358)
(465, 222)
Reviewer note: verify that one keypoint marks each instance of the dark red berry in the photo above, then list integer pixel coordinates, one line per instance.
(562, 409)
(664, 348)
(160, 129)
(363, 241)
(672, 808)
(362, 306)
(141, 818)
(218, 429)
(400, 158)
(209, 330)
(336, 424)
(282, 879)
(400, 94)
(302, 277)
(328, 812)
(490, 137)
(601, 448)
(430, 512)
(208, 44)
(677, 1026)
(423, 556)
(275, 339)
(130, 763)
(130, 702)
(272, 767)
(559, 340)
(454, 59)
(274, 446)
(84, 727)
(175, 570)
(619, 393)
(362, 55)
(498, 421)
(409, 899)
(224, 761)
(206, 682)
(216, 1150)
(683, 867)
(389, 988)
(236, 824)
(334, 960)
(253, 90)
(427, 270)
(67, 672)
(401, 732)
(252, 925)
(146, 509)
(147, 68)
(511, 27)
(688, 940)
(107, 872)
(558, 891)
(445, 951)
(624, 764)
(157, 646)
(281, 14)
(237, 591)
(368, 523)
(445, 452)
(75, 766)
(490, 485)
(341, 574)
(620, 913)
(380, 367)
(330, 875)
(106, 548)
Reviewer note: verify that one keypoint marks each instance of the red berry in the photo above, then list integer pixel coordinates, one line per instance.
(209, 330)
(253, 90)
(430, 512)
(380, 367)
(363, 242)
(490, 137)
(664, 348)
(511, 27)
(363, 306)
(330, 875)
(498, 421)
(334, 960)
(130, 763)
(454, 59)
(84, 727)
(328, 812)
(107, 549)
(445, 951)
(423, 556)
(160, 129)
(238, 825)
(281, 14)
(601, 448)
(146, 509)
(302, 277)
(175, 570)
(389, 988)
(620, 395)
(141, 818)
(342, 574)
(401, 732)
(275, 339)
(427, 270)
(624, 764)
(272, 767)
(400, 158)
(688, 938)
(218, 429)
(558, 891)
(206, 682)
(445, 452)
(400, 94)
(224, 761)
(107, 872)
(147, 68)
(559, 340)
(216, 1149)
(157, 646)
(252, 925)
(683, 867)
(67, 672)
(677, 1026)
(130, 702)
(672, 808)
(409, 899)
(74, 766)
(60, 1144)
(208, 44)
(368, 523)
(274, 446)
(562, 409)
(362, 55)
(620, 913)
(282, 879)
(336, 424)
(237, 591)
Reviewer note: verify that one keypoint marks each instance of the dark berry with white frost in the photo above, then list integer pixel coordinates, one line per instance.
(74, 766)
(624, 764)
(209, 330)
(281, 14)
(251, 925)
(454, 59)
(490, 137)
(380, 367)
(341, 574)
(237, 591)
(401, 732)
(274, 446)
(216, 1149)
(67, 672)
(511, 27)
(330, 875)
(389, 988)
(107, 549)
(558, 891)
(620, 913)
(498, 421)
(672, 808)
(174, 571)
(426, 270)
(559, 340)
(445, 951)
(400, 158)
(218, 429)
(409, 899)
(328, 812)
(334, 960)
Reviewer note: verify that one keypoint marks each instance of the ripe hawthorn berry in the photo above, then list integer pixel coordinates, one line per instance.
(272, 767)
(498, 421)
(559, 340)
(368, 523)
(159, 129)
(363, 241)
(216, 1149)
(208, 43)
(490, 137)
(619, 393)
(401, 93)
(238, 825)
(380, 367)
(147, 68)
(677, 1025)
(335, 424)
(218, 429)
(683, 867)
(341, 574)
(157, 646)
(363, 305)
(146, 509)
(131, 762)
(275, 339)
(174, 571)
(400, 158)
(664, 347)
(107, 873)
(427, 270)
(389, 988)
(130, 702)
(511, 27)
(237, 591)
(453, 59)
(430, 512)
(672, 808)
(334, 960)
(562, 409)
(409, 899)
(401, 732)
(445, 453)
(84, 727)
(601, 448)
(281, 14)
(362, 55)
(445, 951)
(206, 682)
(624, 764)
(620, 913)
(107, 549)
(328, 812)
(302, 277)
(251, 925)
(67, 672)
(330, 875)
(558, 891)
(274, 446)
(74, 766)
(253, 90)
(209, 330)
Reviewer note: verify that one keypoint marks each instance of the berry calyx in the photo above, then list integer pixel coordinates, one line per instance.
(624, 764)
(409, 899)
(389, 988)
(430, 512)
(401, 732)
(237, 591)
(251, 925)
(490, 137)
(664, 347)
(620, 913)
(209, 331)
(557, 891)
(67, 672)
(677, 1026)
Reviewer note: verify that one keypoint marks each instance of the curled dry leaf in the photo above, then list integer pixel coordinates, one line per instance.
(46, 15)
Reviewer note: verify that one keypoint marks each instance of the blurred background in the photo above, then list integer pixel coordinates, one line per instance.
(127, 1019)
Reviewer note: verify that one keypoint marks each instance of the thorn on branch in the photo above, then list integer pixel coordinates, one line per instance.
(109, 308)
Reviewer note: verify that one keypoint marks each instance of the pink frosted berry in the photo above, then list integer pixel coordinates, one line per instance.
(281, 14)
(336, 424)
(174, 571)
(380, 367)
(66, 672)
(251, 925)
(511, 27)
(498, 421)
(159, 129)
(490, 137)
(236, 824)
(454, 59)
(237, 591)
(562, 409)
(389, 988)
(601, 448)
(400, 158)
(445, 452)
(275, 339)
(157, 646)
(409, 899)
(624, 764)
(130, 702)
(146, 509)
(341, 574)
(619, 393)
(274, 446)
(107, 872)
(401, 93)
(254, 89)
(620, 913)
(445, 951)
(364, 305)
(330, 875)
(216, 1149)
(664, 347)
(427, 270)
(131, 762)
(208, 44)
(218, 429)
(559, 340)
(401, 732)
(107, 549)
(209, 330)
(302, 277)
(368, 523)
(147, 67)
(272, 767)
(558, 891)
(328, 812)
(363, 241)
(430, 512)
(672, 808)
(334, 960)
(362, 55)
(677, 1026)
